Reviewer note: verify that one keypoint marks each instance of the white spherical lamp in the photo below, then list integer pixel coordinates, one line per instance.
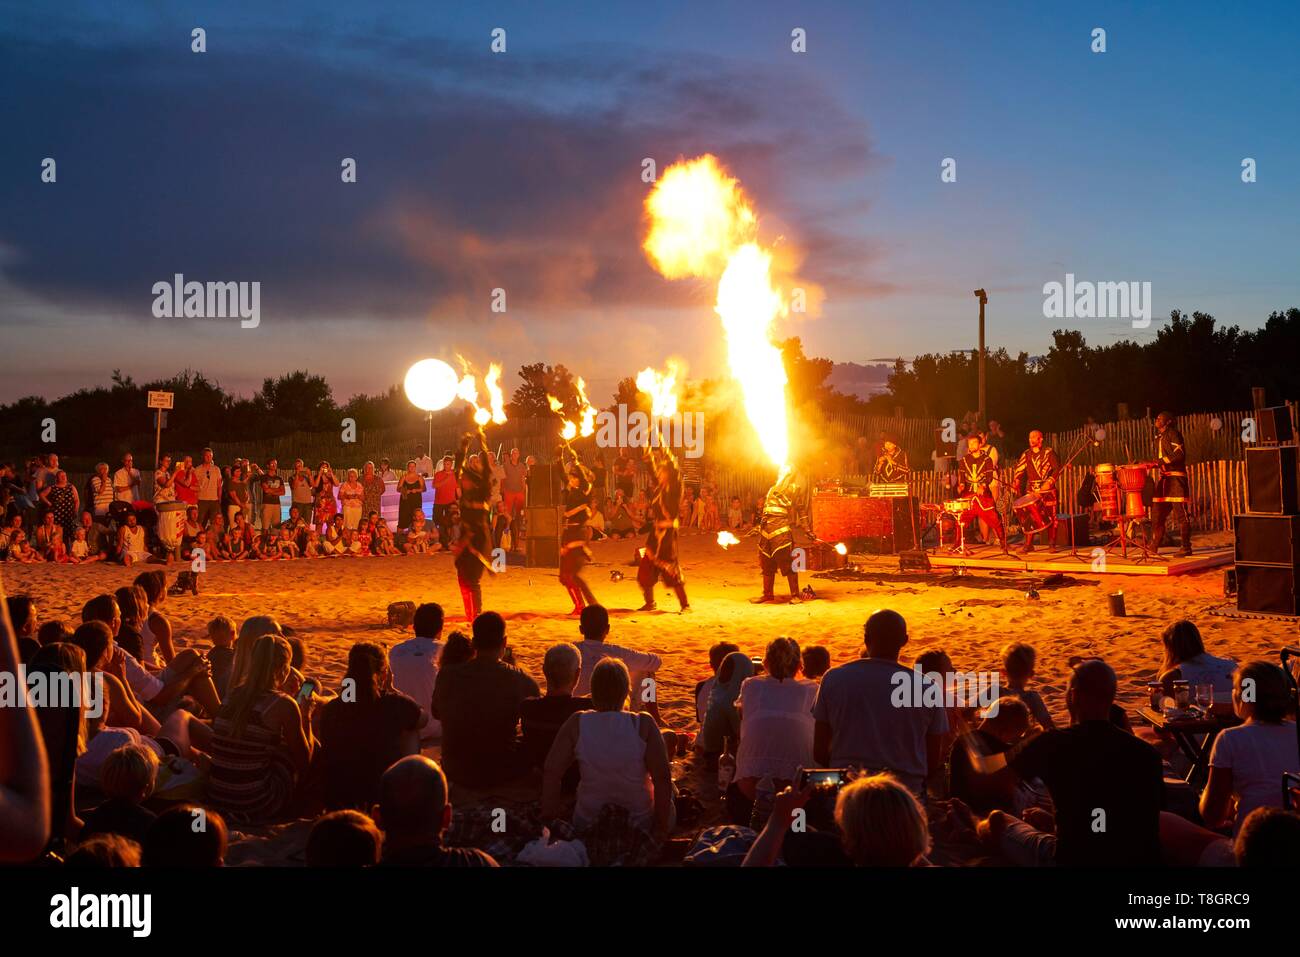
(431, 385)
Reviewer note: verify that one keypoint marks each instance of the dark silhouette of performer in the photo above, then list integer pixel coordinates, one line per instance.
(775, 530)
(474, 548)
(574, 553)
(659, 556)
(1172, 490)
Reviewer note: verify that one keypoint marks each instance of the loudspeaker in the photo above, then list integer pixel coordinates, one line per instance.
(1274, 425)
(1271, 479)
(1270, 589)
(542, 546)
(906, 517)
(1267, 539)
(543, 485)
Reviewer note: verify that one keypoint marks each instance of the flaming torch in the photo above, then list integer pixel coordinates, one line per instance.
(702, 225)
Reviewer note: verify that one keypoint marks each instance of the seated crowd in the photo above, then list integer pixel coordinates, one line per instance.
(241, 735)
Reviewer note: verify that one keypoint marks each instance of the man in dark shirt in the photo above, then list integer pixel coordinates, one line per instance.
(478, 703)
(541, 718)
(414, 812)
(1106, 783)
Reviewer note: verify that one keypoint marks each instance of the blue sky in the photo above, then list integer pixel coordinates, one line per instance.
(522, 171)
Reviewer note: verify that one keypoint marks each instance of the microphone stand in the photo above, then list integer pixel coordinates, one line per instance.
(1084, 442)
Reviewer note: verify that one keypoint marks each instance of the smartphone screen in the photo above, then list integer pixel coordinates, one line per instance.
(309, 687)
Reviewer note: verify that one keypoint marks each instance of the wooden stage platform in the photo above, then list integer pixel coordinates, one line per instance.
(990, 557)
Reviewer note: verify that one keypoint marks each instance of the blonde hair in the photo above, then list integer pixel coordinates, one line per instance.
(883, 823)
(128, 770)
(271, 654)
(1018, 658)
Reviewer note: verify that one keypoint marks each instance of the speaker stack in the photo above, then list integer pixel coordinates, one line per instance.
(1268, 536)
(542, 517)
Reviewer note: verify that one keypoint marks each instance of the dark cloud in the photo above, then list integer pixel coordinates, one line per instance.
(475, 171)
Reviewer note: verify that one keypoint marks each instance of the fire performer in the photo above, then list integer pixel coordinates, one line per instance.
(1172, 491)
(891, 464)
(1037, 471)
(977, 480)
(775, 531)
(574, 553)
(474, 549)
(659, 556)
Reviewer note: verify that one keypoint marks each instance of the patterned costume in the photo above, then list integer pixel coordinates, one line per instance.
(659, 556)
(1172, 492)
(474, 549)
(1037, 471)
(891, 466)
(976, 475)
(775, 531)
(574, 553)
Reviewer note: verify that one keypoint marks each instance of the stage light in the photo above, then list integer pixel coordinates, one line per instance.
(431, 385)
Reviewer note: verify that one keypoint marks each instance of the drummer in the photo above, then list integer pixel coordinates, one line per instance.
(1036, 472)
(1171, 493)
(977, 480)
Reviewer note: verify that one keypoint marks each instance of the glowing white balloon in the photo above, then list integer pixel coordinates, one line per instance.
(431, 385)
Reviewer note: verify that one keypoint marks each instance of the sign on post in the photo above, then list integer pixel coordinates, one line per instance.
(162, 400)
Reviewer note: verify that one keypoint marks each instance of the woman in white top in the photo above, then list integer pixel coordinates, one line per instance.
(163, 488)
(1248, 761)
(621, 757)
(776, 721)
(1186, 659)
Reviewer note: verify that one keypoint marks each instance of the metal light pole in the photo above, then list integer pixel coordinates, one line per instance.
(983, 297)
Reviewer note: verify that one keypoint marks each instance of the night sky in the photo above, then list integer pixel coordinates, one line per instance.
(522, 171)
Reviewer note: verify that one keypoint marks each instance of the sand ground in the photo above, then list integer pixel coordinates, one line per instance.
(335, 602)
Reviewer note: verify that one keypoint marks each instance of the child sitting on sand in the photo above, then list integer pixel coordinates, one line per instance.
(366, 534)
(1018, 661)
(332, 543)
(80, 549)
(816, 661)
(127, 780)
(383, 543)
(266, 548)
(285, 546)
(349, 545)
(221, 656)
(736, 515)
(312, 547)
(198, 548)
(417, 538)
(702, 689)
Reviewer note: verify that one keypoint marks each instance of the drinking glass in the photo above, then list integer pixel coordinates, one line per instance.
(1205, 697)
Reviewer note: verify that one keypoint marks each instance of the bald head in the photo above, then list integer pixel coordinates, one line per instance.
(885, 634)
(413, 797)
(1092, 690)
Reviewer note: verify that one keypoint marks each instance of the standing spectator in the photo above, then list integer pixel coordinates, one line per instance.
(164, 489)
(414, 812)
(271, 483)
(302, 492)
(514, 488)
(414, 663)
(237, 497)
(208, 489)
(186, 482)
(372, 485)
(411, 495)
(478, 703)
(446, 489)
(62, 498)
(126, 481)
(423, 464)
(351, 496)
(326, 505)
(386, 472)
(101, 493)
(625, 474)
(858, 723)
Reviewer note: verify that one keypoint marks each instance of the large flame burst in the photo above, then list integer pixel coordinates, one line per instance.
(495, 410)
(702, 225)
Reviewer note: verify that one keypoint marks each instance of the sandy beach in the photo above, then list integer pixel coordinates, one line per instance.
(332, 603)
